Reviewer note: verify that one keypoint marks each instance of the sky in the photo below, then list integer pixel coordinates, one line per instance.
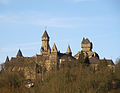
(22, 24)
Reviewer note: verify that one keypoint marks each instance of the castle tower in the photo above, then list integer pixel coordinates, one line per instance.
(54, 52)
(86, 45)
(7, 59)
(69, 50)
(54, 49)
(54, 57)
(19, 54)
(45, 49)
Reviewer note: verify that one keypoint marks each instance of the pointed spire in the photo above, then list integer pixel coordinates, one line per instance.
(19, 54)
(7, 59)
(45, 34)
(68, 50)
(54, 48)
(83, 38)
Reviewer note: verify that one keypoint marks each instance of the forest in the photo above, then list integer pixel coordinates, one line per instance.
(76, 77)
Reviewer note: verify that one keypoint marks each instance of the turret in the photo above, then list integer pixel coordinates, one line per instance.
(45, 49)
(86, 45)
(54, 49)
(54, 55)
(7, 59)
(69, 50)
(19, 54)
(45, 36)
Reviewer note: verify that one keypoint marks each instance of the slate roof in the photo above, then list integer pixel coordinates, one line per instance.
(109, 61)
(64, 55)
(7, 59)
(19, 54)
(45, 34)
(54, 48)
(95, 60)
(77, 55)
(68, 49)
(21, 62)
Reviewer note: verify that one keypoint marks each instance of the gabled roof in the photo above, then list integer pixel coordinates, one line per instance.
(54, 48)
(19, 54)
(68, 49)
(77, 55)
(85, 41)
(95, 60)
(45, 34)
(109, 61)
(64, 55)
(7, 59)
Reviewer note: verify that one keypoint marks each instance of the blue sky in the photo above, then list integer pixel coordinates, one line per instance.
(22, 23)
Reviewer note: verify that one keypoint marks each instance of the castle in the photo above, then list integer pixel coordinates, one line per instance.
(51, 58)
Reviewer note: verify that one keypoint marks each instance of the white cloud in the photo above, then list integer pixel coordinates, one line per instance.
(15, 47)
(43, 20)
(32, 19)
(4, 1)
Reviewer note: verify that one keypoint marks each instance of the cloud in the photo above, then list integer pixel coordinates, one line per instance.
(41, 19)
(4, 1)
(50, 21)
(15, 47)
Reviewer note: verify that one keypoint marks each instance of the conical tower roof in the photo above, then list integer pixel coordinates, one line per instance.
(19, 54)
(68, 50)
(7, 59)
(54, 48)
(45, 34)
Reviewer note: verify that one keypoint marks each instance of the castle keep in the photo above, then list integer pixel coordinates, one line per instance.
(51, 58)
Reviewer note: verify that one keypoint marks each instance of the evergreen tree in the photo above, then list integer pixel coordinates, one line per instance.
(81, 58)
(86, 60)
